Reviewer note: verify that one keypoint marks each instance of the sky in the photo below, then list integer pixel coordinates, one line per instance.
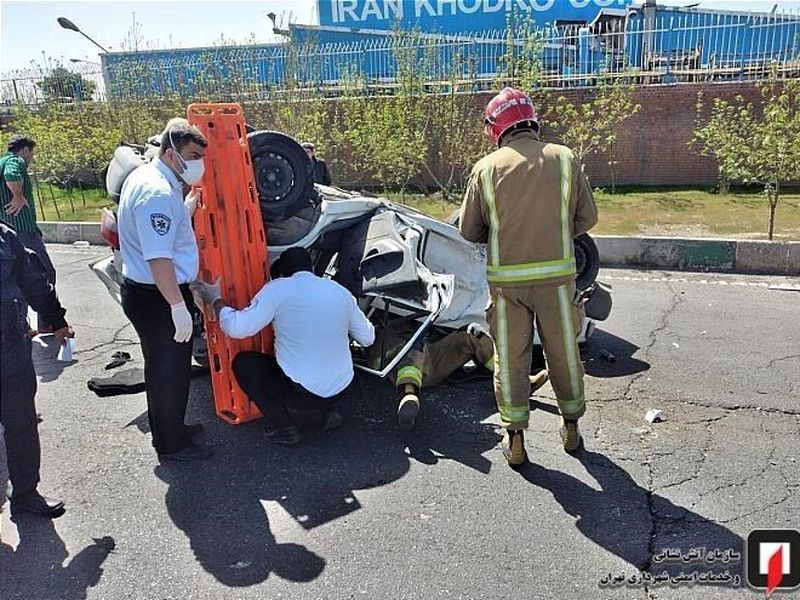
(29, 32)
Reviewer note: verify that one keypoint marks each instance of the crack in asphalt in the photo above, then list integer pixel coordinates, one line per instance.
(654, 519)
(116, 339)
(782, 358)
(698, 464)
(740, 407)
(653, 335)
(651, 509)
(740, 483)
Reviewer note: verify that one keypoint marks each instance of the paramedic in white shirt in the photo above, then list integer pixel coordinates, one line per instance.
(313, 320)
(160, 260)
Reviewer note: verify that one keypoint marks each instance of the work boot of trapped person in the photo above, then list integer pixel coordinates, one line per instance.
(570, 435)
(514, 448)
(408, 407)
(409, 382)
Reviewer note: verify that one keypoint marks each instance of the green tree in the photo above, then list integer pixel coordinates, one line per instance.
(62, 85)
(520, 65)
(724, 135)
(590, 125)
(772, 157)
(755, 147)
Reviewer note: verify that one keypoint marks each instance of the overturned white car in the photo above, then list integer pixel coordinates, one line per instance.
(404, 267)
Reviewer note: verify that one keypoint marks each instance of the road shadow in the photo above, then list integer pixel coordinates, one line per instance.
(621, 363)
(220, 504)
(631, 522)
(37, 569)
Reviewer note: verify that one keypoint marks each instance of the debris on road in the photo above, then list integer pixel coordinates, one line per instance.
(607, 356)
(654, 416)
(120, 358)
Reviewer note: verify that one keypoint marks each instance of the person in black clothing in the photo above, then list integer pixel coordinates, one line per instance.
(321, 172)
(23, 280)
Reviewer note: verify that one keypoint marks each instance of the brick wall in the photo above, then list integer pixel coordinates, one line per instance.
(653, 146)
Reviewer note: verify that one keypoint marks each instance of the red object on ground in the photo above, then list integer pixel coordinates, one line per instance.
(233, 246)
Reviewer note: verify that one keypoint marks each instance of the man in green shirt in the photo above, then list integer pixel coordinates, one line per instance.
(17, 207)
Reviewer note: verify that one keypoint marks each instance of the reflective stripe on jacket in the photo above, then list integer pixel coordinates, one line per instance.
(527, 201)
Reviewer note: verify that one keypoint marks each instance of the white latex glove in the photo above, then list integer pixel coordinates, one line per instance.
(208, 293)
(191, 202)
(182, 319)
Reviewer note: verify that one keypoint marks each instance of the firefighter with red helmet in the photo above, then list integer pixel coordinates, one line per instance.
(527, 201)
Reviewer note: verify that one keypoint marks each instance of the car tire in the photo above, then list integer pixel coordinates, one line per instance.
(284, 175)
(587, 261)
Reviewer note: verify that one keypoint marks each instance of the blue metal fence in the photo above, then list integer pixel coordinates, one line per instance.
(663, 46)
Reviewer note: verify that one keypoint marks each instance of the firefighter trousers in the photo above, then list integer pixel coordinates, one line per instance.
(438, 360)
(511, 314)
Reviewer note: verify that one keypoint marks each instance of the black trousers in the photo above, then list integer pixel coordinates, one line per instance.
(263, 380)
(18, 416)
(167, 364)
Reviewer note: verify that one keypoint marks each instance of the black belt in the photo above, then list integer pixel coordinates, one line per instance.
(148, 286)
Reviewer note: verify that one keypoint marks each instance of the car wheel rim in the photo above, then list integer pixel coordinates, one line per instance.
(275, 176)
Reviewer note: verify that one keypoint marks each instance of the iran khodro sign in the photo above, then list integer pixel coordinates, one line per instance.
(455, 16)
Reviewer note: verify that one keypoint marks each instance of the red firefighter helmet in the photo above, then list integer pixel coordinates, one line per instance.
(510, 107)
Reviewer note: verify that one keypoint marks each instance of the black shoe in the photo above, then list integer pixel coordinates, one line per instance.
(38, 505)
(332, 419)
(189, 452)
(286, 436)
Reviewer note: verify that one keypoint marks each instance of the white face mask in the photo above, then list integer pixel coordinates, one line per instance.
(192, 169)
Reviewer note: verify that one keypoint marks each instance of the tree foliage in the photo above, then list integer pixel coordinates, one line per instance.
(756, 148)
(62, 85)
(723, 135)
(592, 125)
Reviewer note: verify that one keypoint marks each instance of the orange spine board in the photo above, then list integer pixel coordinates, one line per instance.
(233, 246)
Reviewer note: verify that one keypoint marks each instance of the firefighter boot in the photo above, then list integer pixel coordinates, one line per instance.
(514, 448)
(408, 409)
(570, 435)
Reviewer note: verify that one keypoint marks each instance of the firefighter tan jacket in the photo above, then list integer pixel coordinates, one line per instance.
(527, 201)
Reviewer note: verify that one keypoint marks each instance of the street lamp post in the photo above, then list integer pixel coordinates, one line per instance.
(87, 62)
(67, 24)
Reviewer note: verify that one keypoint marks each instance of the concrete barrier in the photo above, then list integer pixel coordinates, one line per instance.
(700, 254)
(56, 232)
(668, 253)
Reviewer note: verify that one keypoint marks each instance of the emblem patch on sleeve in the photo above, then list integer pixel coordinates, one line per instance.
(161, 223)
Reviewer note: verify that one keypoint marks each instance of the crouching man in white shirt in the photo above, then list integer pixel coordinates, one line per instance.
(313, 320)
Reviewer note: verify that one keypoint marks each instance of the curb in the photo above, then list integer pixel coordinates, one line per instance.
(749, 257)
(58, 232)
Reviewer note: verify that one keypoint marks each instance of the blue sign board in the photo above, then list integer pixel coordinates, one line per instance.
(456, 16)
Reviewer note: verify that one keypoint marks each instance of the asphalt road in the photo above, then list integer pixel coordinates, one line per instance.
(366, 512)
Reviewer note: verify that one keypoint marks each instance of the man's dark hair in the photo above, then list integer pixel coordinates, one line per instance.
(20, 142)
(293, 260)
(178, 134)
